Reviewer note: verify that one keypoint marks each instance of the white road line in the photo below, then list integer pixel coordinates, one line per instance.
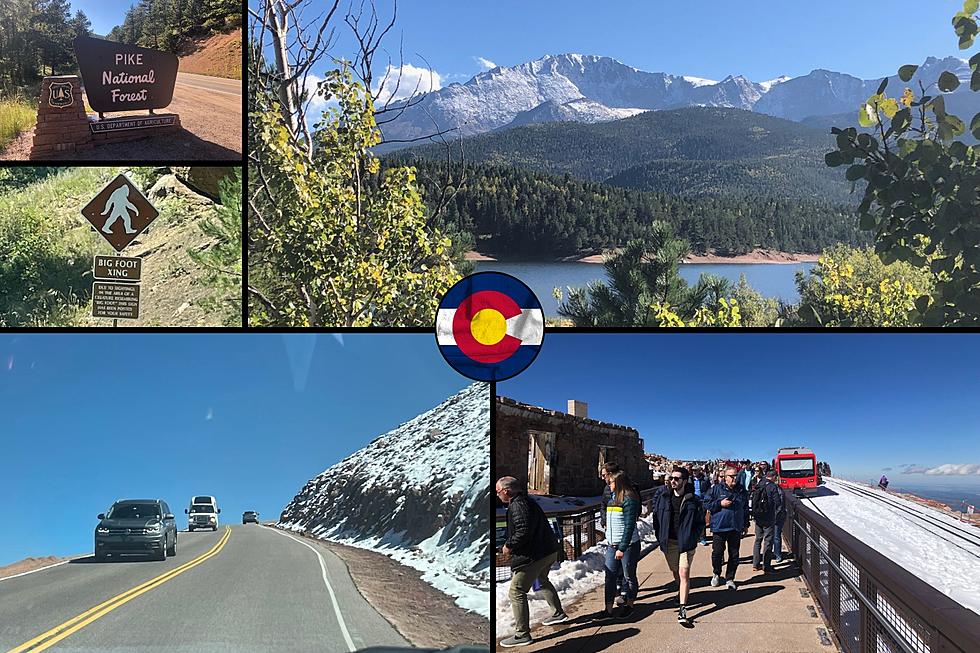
(34, 571)
(333, 597)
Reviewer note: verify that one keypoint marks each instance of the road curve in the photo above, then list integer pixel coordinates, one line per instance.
(262, 591)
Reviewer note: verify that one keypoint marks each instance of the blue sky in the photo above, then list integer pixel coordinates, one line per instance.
(758, 39)
(88, 419)
(862, 402)
(104, 14)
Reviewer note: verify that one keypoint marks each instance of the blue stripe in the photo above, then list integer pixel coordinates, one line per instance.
(508, 285)
(505, 369)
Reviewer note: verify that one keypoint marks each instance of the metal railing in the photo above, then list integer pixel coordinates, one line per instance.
(873, 604)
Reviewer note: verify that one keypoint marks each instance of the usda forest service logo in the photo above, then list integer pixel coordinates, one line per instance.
(490, 326)
(60, 95)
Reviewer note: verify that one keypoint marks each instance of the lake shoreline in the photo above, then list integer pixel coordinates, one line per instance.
(762, 256)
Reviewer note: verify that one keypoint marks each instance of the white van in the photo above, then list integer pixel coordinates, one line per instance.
(202, 513)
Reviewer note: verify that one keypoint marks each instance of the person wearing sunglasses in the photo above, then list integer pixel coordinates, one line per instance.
(678, 519)
(533, 549)
(726, 502)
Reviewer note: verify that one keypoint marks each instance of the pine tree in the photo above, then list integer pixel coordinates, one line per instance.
(224, 260)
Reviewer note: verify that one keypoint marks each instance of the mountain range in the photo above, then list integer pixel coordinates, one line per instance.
(590, 89)
(419, 494)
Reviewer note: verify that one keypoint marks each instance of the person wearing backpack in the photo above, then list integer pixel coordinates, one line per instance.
(533, 549)
(767, 506)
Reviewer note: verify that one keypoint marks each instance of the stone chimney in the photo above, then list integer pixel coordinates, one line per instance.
(578, 408)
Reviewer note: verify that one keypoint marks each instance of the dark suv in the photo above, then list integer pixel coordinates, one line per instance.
(250, 516)
(137, 526)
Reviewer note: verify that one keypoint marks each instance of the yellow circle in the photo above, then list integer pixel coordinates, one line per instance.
(488, 326)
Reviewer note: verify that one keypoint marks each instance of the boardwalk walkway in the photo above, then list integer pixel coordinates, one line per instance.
(767, 613)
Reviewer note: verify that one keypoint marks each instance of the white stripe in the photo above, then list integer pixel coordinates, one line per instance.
(528, 327)
(333, 597)
(444, 326)
(34, 571)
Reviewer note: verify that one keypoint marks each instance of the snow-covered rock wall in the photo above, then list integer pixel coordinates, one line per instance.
(419, 494)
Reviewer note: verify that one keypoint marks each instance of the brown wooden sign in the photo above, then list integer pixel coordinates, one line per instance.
(121, 77)
(117, 268)
(116, 300)
(120, 212)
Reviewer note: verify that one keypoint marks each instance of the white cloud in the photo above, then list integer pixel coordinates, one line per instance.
(210, 415)
(486, 64)
(413, 81)
(954, 470)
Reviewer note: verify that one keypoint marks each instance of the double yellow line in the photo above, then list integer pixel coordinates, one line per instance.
(58, 633)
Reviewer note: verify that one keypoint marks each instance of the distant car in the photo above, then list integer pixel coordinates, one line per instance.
(250, 516)
(136, 526)
(202, 515)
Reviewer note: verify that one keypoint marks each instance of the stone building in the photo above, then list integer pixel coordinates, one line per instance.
(560, 453)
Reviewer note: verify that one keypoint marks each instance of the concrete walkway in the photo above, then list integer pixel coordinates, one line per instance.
(766, 613)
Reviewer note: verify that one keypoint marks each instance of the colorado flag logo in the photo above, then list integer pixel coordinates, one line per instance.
(489, 326)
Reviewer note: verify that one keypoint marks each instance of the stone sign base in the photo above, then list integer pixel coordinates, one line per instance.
(63, 127)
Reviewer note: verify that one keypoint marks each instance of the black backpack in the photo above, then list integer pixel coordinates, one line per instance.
(760, 502)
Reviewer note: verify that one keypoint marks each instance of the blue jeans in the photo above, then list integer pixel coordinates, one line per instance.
(777, 542)
(626, 566)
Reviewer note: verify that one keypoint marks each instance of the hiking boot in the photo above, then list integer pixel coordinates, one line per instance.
(682, 616)
(715, 580)
(620, 600)
(730, 585)
(778, 559)
(627, 612)
(754, 568)
(602, 615)
(703, 542)
(556, 618)
(511, 642)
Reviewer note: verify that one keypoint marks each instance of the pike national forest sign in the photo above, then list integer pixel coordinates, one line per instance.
(121, 77)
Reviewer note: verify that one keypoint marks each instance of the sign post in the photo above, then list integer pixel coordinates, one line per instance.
(119, 213)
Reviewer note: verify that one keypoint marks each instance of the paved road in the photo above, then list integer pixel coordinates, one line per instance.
(259, 590)
(220, 84)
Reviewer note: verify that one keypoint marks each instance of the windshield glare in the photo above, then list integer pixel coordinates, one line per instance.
(201, 509)
(134, 511)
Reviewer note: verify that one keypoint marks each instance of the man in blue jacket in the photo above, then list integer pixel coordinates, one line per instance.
(678, 519)
(767, 507)
(533, 549)
(726, 502)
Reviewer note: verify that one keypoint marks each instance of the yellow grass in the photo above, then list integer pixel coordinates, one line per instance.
(16, 115)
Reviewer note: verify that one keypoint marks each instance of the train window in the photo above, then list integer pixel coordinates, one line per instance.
(796, 467)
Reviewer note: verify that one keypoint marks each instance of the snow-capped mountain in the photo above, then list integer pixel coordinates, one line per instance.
(589, 88)
(419, 494)
(580, 110)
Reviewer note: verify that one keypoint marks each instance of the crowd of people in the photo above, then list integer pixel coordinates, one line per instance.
(722, 497)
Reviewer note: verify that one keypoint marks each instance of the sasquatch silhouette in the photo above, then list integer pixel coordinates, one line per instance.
(120, 206)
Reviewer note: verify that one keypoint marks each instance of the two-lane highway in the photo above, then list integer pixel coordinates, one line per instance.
(247, 588)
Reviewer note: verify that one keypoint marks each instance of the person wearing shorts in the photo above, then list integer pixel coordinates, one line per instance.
(678, 519)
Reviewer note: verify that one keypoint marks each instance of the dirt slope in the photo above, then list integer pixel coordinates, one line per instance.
(218, 56)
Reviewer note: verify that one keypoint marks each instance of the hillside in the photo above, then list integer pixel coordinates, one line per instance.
(46, 250)
(524, 215)
(690, 151)
(419, 494)
(218, 55)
